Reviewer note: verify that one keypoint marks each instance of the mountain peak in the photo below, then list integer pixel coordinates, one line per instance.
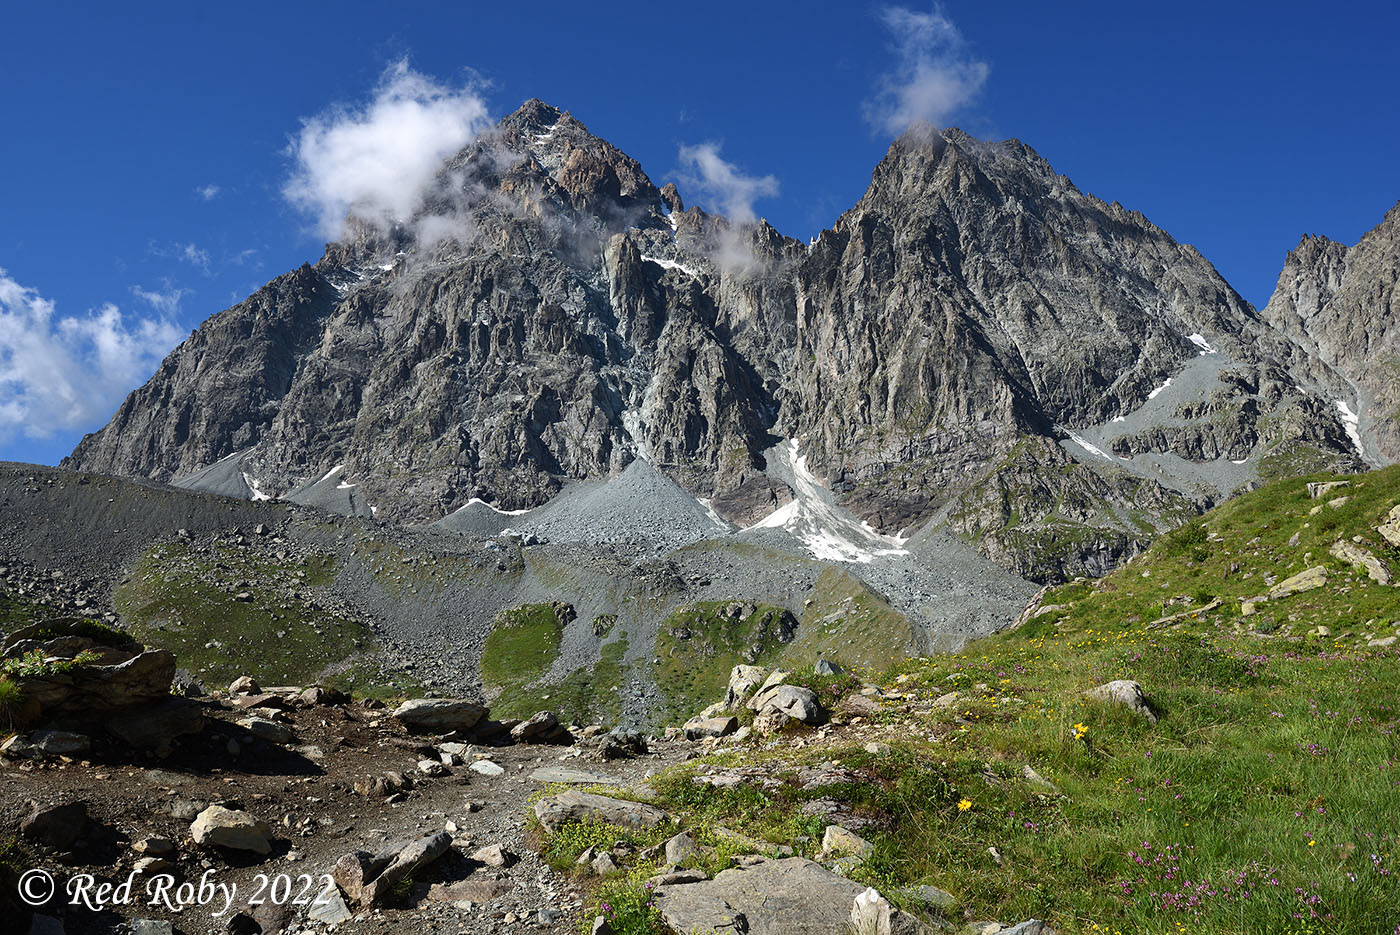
(533, 115)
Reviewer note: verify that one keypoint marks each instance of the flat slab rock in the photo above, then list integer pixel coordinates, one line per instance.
(558, 810)
(790, 896)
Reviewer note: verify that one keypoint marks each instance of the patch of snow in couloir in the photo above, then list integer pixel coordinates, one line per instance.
(819, 526)
(671, 264)
(1153, 394)
(253, 486)
(1200, 341)
(1351, 421)
(1084, 443)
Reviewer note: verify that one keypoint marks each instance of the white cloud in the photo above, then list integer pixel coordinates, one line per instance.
(167, 302)
(208, 192)
(935, 74)
(189, 253)
(70, 373)
(375, 160)
(734, 191)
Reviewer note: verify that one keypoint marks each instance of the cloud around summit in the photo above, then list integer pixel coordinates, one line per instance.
(375, 159)
(722, 182)
(934, 74)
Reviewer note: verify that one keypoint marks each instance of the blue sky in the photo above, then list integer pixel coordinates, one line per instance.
(146, 150)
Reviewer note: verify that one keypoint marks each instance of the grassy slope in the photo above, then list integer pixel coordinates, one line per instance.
(700, 643)
(1264, 801)
(178, 600)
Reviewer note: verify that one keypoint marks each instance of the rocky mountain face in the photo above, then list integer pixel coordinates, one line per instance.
(940, 355)
(1340, 305)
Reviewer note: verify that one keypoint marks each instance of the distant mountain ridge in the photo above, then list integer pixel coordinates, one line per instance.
(976, 344)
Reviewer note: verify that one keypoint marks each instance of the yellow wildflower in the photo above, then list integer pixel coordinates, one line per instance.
(964, 805)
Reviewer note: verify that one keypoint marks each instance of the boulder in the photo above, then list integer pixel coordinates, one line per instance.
(264, 729)
(827, 667)
(788, 896)
(87, 688)
(796, 702)
(621, 744)
(699, 728)
(1362, 559)
(556, 811)
(244, 685)
(1306, 580)
(543, 727)
(680, 847)
(439, 715)
(1390, 529)
(231, 828)
(60, 742)
(743, 682)
(838, 841)
(487, 768)
(1124, 692)
(367, 879)
(55, 826)
(493, 856)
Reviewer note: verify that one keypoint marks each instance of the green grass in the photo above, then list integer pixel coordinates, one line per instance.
(699, 644)
(521, 648)
(846, 622)
(177, 599)
(1262, 802)
(589, 695)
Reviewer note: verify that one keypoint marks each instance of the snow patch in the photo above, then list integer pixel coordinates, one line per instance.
(1119, 419)
(1153, 394)
(1240, 461)
(492, 507)
(331, 473)
(819, 525)
(253, 486)
(1200, 341)
(345, 485)
(1084, 443)
(671, 264)
(718, 520)
(1351, 421)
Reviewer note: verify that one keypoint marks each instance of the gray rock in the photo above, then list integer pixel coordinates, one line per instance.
(60, 742)
(790, 896)
(230, 828)
(264, 729)
(543, 727)
(1029, 927)
(796, 702)
(439, 715)
(839, 842)
(555, 811)
(698, 728)
(486, 768)
(1390, 529)
(1124, 692)
(826, 667)
(329, 909)
(493, 855)
(743, 682)
(55, 826)
(680, 847)
(1364, 559)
